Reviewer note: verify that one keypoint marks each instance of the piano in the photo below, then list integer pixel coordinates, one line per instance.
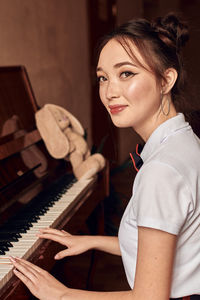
(36, 190)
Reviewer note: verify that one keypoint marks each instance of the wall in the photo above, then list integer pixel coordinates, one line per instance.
(50, 38)
(190, 10)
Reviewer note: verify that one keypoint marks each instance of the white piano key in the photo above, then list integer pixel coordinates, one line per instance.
(29, 241)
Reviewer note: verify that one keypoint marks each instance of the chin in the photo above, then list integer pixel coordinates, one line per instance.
(122, 121)
(121, 124)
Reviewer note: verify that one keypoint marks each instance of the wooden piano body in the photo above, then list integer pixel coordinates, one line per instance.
(27, 172)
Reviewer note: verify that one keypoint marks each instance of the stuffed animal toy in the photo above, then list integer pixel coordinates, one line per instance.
(63, 136)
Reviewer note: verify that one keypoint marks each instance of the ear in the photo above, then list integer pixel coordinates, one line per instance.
(170, 79)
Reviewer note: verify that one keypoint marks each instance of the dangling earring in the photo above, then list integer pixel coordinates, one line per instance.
(161, 105)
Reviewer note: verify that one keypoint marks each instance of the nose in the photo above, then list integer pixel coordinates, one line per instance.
(112, 90)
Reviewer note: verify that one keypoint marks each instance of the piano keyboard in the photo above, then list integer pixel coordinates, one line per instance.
(47, 211)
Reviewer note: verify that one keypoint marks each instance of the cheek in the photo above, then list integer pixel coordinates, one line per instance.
(134, 92)
(102, 96)
(140, 91)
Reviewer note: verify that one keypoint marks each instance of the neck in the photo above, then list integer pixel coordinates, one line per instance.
(147, 129)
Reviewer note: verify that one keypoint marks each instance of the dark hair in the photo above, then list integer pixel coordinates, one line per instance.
(159, 42)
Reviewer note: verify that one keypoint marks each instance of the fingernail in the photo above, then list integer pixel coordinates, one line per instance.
(15, 271)
(56, 256)
(12, 259)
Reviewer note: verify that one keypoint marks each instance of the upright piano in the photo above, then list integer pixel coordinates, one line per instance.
(35, 190)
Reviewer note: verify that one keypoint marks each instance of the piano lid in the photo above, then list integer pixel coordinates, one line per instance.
(24, 160)
(16, 97)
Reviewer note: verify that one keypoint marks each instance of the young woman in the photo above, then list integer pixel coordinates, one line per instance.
(141, 84)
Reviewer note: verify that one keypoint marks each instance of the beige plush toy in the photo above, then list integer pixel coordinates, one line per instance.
(63, 136)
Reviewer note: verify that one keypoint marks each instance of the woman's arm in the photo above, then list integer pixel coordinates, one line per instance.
(152, 281)
(153, 270)
(109, 244)
(156, 251)
(77, 244)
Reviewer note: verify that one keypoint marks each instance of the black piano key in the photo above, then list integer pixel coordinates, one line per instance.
(2, 252)
(20, 222)
(8, 244)
(13, 233)
(16, 229)
(37, 207)
(4, 248)
(9, 239)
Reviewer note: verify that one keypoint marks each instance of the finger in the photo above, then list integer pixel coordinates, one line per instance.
(35, 269)
(26, 270)
(66, 233)
(65, 253)
(51, 231)
(54, 237)
(24, 279)
(61, 254)
(56, 231)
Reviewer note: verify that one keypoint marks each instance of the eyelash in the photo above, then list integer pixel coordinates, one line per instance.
(127, 74)
(101, 77)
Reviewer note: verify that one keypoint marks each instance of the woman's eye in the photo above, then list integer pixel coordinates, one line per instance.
(126, 74)
(101, 78)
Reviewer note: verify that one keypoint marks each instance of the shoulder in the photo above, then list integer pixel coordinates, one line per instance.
(162, 171)
(178, 156)
(161, 198)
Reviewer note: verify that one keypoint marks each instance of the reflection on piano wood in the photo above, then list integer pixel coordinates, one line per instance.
(35, 190)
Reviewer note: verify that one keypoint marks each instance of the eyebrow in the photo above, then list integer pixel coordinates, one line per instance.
(118, 65)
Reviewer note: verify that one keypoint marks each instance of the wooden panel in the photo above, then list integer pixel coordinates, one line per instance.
(19, 144)
(17, 98)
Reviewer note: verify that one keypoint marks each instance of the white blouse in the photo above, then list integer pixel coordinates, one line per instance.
(166, 196)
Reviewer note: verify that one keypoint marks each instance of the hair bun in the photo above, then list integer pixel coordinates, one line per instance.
(171, 30)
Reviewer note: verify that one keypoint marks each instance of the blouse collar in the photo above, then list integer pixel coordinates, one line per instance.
(162, 132)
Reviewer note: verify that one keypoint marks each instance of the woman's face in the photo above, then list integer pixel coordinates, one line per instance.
(129, 92)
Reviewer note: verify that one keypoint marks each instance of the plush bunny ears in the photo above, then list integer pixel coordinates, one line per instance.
(51, 121)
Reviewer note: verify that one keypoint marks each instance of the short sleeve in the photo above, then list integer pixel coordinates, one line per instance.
(162, 199)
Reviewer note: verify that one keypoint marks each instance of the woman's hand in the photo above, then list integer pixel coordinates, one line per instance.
(76, 244)
(40, 283)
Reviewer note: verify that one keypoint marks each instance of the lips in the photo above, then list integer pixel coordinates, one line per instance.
(115, 109)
